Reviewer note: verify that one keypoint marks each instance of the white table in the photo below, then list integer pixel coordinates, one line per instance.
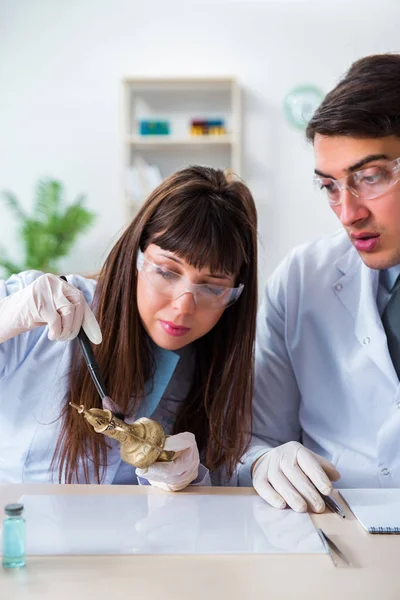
(376, 574)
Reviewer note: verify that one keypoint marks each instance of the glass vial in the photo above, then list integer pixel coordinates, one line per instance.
(14, 537)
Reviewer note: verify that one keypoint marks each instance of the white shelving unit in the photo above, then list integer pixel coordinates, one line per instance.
(178, 100)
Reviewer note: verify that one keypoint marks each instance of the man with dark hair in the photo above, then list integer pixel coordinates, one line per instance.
(327, 398)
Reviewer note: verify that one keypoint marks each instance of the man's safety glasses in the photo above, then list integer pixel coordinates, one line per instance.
(365, 184)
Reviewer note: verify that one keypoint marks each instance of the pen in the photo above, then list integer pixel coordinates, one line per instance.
(334, 507)
(331, 548)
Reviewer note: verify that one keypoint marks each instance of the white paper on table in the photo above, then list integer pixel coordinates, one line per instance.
(164, 524)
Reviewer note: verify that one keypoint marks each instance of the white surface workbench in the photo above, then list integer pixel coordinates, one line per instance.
(375, 575)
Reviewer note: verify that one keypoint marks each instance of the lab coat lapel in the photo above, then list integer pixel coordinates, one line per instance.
(357, 289)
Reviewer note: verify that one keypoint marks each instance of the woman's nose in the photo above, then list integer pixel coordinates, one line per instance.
(185, 303)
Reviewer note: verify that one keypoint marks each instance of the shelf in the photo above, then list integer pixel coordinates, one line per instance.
(182, 83)
(179, 101)
(165, 140)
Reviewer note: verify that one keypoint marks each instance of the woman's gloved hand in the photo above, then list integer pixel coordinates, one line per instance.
(48, 301)
(180, 472)
(292, 475)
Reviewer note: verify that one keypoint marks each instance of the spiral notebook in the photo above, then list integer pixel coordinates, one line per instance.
(378, 510)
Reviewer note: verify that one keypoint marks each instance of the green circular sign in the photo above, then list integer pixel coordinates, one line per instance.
(301, 103)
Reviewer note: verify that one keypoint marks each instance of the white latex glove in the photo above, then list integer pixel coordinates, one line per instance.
(292, 475)
(178, 473)
(48, 301)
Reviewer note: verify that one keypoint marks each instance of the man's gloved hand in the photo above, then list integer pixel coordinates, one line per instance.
(48, 301)
(292, 475)
(178, 473)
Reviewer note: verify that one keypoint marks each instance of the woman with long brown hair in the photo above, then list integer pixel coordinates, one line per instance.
(176, 306)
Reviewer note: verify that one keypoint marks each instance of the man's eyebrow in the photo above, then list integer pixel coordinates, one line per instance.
(213, 275)
(356, 165)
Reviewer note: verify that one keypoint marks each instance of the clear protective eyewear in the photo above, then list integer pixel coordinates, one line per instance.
(172, 285)
(365, 184)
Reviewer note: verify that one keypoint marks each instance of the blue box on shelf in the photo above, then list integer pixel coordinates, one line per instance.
(153, 127)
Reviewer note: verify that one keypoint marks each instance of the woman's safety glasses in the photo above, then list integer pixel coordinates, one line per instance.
(172, 285)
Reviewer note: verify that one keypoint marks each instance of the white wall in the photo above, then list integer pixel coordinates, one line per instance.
(61, 64)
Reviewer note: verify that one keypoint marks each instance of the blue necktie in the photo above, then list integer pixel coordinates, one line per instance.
(391, 323)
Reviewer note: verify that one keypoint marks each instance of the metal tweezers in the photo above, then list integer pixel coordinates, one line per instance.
(332, 549)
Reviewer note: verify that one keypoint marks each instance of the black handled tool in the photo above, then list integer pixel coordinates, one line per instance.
(90, 359)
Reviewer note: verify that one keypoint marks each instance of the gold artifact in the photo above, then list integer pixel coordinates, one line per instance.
(142, 442)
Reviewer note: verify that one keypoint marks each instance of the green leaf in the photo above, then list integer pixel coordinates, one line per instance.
(49, 199)
(11, 201)
(51, 231)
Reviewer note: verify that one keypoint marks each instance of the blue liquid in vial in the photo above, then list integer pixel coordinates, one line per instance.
(13, 542)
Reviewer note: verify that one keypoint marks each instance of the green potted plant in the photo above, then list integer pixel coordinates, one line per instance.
(49, 233)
